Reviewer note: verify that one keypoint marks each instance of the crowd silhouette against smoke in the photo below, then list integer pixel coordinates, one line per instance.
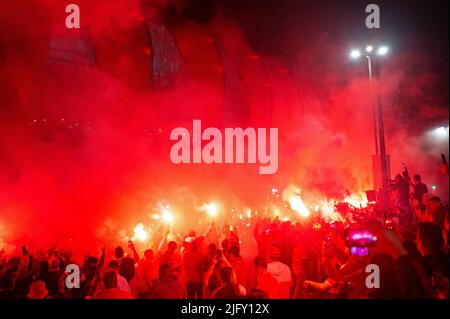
(84, 148)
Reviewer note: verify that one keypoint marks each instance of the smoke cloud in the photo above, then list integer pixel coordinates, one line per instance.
(84, 151)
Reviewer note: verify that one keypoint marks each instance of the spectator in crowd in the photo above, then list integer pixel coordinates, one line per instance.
(167, 286)
(38, 290)
(419, 189)
(229, 289)
(122, 282)
(435, 211)
(281, 272)
(403, 205)
(7, 287)
(192, 262)
(434, 260)
(111, 290)
(389, 286)
(313, 256)
(265, 281)
(238, 264)
(119, 254)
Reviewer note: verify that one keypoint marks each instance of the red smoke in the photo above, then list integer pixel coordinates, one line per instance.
(79, 146)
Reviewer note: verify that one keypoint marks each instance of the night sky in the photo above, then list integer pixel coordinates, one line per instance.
(284, 28)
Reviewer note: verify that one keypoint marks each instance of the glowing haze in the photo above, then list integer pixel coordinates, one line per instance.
(85, 151)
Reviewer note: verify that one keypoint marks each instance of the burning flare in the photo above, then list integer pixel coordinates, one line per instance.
(167, 215)
(140, 233)
(211, 209)
(292, 195)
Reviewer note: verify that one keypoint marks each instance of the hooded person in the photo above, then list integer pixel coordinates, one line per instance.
(281, 272)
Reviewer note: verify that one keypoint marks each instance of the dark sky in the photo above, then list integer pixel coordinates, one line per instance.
(416, 31)
(271, 25)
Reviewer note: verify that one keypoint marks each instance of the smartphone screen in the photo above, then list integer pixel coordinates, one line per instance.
(361, 238)
(359, 251)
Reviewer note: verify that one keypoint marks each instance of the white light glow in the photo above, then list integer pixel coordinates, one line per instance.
(211, 209)
(140, 233)
(355, 54)
(297, 205)
(383, 50)
(441, 131)
(167, 216)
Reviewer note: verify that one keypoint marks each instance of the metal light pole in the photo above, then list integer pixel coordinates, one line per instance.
(378, 122)
(384, 168)
(374, 112)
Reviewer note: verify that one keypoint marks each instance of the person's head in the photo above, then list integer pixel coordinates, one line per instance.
(226, 274)
(260, 264)
(429, 239)
(225, 244)
(118, 252)
(114, 266)
(417, 179)
(234, 251)
(110, 279)
(148, 254)
(13, 265)
(172, 246)
(54, 264)
(398, 178)
(274, 253)
(433, 204)
(6, 282)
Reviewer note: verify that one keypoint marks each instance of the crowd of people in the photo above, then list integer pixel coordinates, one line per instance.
(293, 260)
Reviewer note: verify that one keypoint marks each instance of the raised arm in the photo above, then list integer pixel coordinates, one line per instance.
(163, 242)
(133, 249)
(101, 260)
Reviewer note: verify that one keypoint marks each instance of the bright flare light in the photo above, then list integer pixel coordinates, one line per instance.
(291, 194)
(369, 48)
(156, 216)
(167, 216)
(211, 209)
(355, 54)
(438, 135)
(328, 213)
(383, 50)
(297, 204)
(441, 131)
(357, 200)
(140, 233)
